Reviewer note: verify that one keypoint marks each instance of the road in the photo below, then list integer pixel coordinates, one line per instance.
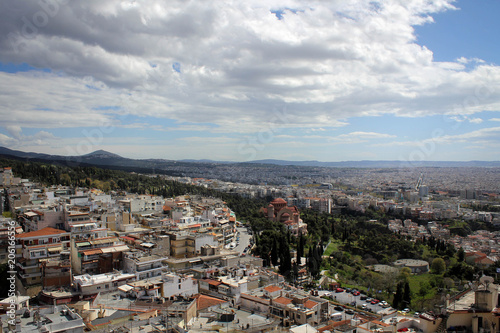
(348, 299)
(244, 240)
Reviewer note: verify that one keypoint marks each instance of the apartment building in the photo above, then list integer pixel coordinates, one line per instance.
(142, 265)
(37, 246)
(101, 283)
(97, 255)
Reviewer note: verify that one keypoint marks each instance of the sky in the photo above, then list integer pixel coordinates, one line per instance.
(232, 80)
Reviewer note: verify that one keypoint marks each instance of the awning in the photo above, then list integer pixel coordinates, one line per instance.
(125, 288)
(108, 249)
(101, 241)
(121, 248)
(89, 262)
(54, 249)
(83, 244)
(194, 260)
(92, 252)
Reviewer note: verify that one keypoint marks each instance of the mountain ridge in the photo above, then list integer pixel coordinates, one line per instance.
(103, 157)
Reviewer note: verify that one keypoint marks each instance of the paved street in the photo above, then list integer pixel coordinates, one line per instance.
(348, 298)
(244, 240)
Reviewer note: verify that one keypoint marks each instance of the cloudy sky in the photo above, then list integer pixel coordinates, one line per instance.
(242, 80)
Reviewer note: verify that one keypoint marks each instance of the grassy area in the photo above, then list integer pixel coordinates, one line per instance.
(415, 281)
(334, 246)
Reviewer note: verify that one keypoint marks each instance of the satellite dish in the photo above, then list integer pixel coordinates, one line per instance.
(486, 281)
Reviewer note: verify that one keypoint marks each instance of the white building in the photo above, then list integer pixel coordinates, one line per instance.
(93, 284)
(179, 285)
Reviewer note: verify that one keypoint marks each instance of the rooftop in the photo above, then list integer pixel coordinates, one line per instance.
(42, 232)
(55, 319)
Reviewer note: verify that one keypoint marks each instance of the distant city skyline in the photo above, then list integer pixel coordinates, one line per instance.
(292, 80)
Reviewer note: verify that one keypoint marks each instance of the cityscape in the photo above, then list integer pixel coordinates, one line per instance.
(288, 166)
(91, 259)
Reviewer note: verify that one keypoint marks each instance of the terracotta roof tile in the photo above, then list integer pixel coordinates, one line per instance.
(203, 302)
(42, 232)
(310, 304)
(272, 288)
(282, 300)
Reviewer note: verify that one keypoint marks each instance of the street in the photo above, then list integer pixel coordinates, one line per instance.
(244, 240)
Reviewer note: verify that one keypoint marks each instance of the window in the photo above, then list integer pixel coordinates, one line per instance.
(107, 286)
(98, 287)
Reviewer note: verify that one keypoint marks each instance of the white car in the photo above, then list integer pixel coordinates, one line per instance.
(406, 310)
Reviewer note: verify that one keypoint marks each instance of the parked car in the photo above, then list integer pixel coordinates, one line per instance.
(339, 290)
(349, 311)
(356, 293)
(375, 301)
(363, 297)
(416, 315)
(406, 310)
(338, 308)
(369, 299)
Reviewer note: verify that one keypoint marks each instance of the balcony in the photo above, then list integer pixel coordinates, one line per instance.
(148, 268)
(24, 267)
(30, 275)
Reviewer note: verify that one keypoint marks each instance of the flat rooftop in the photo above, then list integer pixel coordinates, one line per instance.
(54, 318)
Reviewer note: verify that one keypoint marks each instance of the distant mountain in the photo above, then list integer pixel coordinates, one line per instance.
(106, 159)
(101, 154)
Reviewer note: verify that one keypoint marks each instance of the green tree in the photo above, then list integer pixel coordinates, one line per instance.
(404, 274)
(6, 205)
(438, 266)
(407, 295)
(398, 296)
(461, 255)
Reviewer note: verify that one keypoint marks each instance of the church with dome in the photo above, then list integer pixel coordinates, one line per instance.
(279, 211)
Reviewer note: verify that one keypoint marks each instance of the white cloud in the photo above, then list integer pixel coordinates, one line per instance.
(18, 140)
(484, 136)
(476, 120)
(231, 65)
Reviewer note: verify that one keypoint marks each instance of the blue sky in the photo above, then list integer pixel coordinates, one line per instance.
(358, 80)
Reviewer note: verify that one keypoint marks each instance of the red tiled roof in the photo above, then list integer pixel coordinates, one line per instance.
(272, 288)
(213, 282)
(42, 232)
(203, 301)
(282, 300)
(278, 201)
(310, 304)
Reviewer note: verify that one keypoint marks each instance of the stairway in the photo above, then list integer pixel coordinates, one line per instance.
(442, 326)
